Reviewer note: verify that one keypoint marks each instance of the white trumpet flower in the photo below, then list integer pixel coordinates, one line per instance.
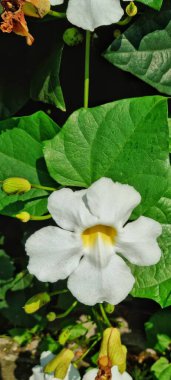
(116, 375)
(90, 14)
(92, 236)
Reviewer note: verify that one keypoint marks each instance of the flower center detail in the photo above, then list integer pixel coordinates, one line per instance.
(106, 233)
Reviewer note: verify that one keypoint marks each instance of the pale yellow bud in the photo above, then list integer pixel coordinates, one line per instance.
(60, 364)
(131, 9)
(36, 302)
(36, 8)
(112, 347)
(24, 216)
(16, 185)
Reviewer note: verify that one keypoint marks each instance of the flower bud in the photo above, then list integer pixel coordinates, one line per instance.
(112, 348)
(72, 36)
(131, 9)
(23, 216)
(16, 185)
(117, 33)
(36, 8)
(60, 364)
(36, 302)
(109, 308)
(51, 316)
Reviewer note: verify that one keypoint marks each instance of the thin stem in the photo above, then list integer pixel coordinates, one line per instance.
(87, 351)
(87, 69)
(43, 217)
(57, 14)
(63, 315)
(125, 21)
(105, 318)
(43, 187)
(56, 292)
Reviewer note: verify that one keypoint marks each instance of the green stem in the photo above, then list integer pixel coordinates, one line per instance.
(57, 14)
(87, 69)
(87, 351)
(56, 292)
(43, 187)
(105, 318)
(43, 217)
(125, 21)
(68, 311)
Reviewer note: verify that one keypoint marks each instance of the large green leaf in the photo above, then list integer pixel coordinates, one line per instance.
(45, 84)
(125, 140)
(145, 50)
(156, 4)
(155, 281)
(21, 156)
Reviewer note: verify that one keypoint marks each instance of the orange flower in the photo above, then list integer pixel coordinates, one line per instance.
(13, 17)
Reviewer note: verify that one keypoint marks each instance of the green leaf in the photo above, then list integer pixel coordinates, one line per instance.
(70, 333)
(125, 140)
(163, 342)
(24, 158)
(144, 50)
(166, 374)
(21, 281)
(20, 335)
(159, 366)
(6, 267)
(45, 85)
(159, 323)
(156, 4)
(154, 282)
(169, 122)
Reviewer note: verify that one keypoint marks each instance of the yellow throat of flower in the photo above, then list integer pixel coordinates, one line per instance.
(106, 233)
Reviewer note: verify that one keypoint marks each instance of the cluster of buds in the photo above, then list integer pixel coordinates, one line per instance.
(13, 16)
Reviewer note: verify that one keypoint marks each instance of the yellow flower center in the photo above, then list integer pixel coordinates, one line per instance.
(106, 233)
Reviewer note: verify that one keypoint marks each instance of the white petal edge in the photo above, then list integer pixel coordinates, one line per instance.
(137, 242)
(90, 374)
(54, 253)
(90, 14)
(116, 375)
(69, 211)
(91, 285)
(72, 374)
(56, 2)
(112, 202)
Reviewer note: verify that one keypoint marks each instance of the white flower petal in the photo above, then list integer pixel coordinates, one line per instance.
(116, 375)
(91, 284)
(91, 374)
(56, 2)
(68, 209)
(72, 373)
(111, 201)
(137, 242)
(54, 253)
(90, 14)
(45, 357)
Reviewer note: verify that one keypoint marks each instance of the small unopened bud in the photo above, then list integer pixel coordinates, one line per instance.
(117, 33)
(16, 185)
(60, 364)
(72, 36)
(112, 348)
(36, 302)
(36, 8)
(23, 216)
(51, 316)
(109, 308)
(131, 9)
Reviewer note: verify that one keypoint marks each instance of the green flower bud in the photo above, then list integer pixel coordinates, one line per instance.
(36, 302)
(23, 216)
(72, 36)
(51, 316)
(131, 9)
(16, 185)
(112, 348)
(117, 33)
(109, 308)
(60, 364)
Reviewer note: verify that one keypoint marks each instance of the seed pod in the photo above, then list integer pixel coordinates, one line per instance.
(72, 36)
(131, 9)
(23, 216)
(36, 302)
